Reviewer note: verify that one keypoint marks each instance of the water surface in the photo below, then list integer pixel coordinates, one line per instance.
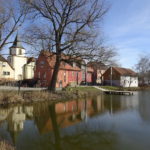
(104, 122)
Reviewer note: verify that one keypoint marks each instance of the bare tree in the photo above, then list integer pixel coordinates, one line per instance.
(69, 27)
(12, 17)
(143, 68)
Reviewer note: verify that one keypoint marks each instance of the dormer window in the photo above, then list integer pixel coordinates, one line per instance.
(74, 64)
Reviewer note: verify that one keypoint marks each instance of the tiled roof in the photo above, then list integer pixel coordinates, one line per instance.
(97, 65)
(51, 59)
(125, 71)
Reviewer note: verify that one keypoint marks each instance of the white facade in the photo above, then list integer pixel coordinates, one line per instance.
(128, 81)
(6, 71)
(23, 68)
(17, 51)
(18, 63)
(29, 70)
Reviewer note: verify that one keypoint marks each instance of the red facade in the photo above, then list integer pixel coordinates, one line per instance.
(68, 74)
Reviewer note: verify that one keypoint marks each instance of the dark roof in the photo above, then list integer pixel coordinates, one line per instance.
(125, 71)
(31, 59)
(17, 43)
(97, 65)
(2, 59)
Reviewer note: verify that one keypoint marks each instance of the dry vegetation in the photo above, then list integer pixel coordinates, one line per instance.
(7, 97)
(5, 146)
(12, 97)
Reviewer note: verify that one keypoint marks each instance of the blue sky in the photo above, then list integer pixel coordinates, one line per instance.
(127, 27)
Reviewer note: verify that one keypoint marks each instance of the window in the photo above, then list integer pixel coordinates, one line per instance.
(4, 65)
(45, 75)
(83, 75)
(6, 73)
(20, 51)
(64, 76)
(38, 74)
(74, 64)
(42, 62)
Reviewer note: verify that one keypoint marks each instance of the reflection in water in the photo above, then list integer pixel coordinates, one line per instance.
(15, 117)
(64, 124)
(144, 106)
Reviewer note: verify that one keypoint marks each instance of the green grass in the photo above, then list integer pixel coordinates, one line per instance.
(83, 89)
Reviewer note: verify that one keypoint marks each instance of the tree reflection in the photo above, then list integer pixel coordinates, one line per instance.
(55, 127)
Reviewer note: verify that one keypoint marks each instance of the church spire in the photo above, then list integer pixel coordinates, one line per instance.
(17, 42)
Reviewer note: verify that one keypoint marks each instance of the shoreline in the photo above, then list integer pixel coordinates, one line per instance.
(27, 97)
(144, 88)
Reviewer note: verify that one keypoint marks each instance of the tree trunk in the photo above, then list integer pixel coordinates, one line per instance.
(52, 86)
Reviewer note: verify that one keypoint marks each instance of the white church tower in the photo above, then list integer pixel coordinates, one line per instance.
(19, 61)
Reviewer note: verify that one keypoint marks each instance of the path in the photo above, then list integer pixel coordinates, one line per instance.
(10, 88)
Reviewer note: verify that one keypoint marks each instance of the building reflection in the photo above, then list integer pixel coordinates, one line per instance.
(53, 117)
(67, 113)
(15, 118)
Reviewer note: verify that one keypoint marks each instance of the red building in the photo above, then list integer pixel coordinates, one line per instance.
(69, 73)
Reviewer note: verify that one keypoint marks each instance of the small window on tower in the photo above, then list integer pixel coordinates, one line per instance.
(20, 51)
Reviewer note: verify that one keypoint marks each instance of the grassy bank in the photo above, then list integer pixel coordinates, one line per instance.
(84, 90)
(12, 97)
(6, 146)
(125, 88)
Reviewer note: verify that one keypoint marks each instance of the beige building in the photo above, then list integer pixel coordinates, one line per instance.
(6, 70)
(23, 66)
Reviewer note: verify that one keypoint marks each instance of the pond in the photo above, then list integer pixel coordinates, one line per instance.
(104, 122)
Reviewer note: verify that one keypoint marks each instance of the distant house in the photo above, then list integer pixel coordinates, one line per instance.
(89, 74)
(120, 77)
(98, 70)
(6, 70)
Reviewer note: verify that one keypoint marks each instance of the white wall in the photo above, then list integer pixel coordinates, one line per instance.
(5, 67)
(16, 51)
(18, 63)
(128, 81)
(29, 70)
